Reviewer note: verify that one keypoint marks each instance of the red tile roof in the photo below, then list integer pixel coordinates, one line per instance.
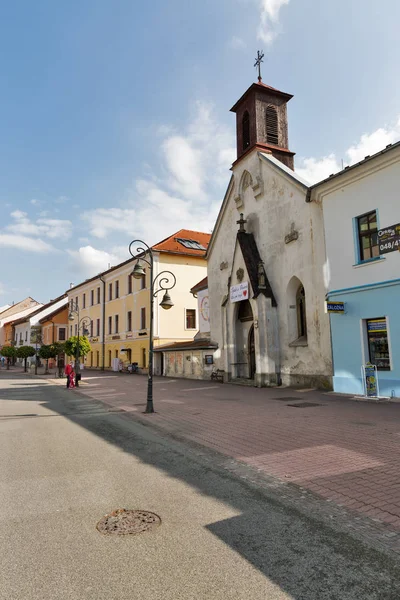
(202, 285)
(172, 246)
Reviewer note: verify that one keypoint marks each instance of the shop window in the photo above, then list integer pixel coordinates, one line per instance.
(109, 358)
(97, 358)
(378, 343)
(367, 229)
(190, 318)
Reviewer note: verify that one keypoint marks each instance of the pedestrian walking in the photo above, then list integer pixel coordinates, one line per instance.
(69, 369)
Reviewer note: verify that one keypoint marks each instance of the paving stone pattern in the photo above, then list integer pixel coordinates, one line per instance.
(342, 450)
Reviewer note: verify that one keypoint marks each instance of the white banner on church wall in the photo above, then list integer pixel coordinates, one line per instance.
(239, 292)
(204, 311)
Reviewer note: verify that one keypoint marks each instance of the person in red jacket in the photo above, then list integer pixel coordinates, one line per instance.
(69, 369)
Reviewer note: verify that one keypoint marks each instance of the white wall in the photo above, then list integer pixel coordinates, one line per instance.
(269, 217)
(374, 185)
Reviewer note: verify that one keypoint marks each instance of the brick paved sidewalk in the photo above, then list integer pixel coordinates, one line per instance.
(344, 451)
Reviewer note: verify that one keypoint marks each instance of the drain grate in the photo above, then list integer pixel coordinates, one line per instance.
(124, 521)
(287, 398)
(304, 404)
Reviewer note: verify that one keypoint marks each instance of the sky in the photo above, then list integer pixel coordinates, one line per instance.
(115, 120)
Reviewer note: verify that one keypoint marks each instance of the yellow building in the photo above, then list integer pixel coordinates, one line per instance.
(117, 306)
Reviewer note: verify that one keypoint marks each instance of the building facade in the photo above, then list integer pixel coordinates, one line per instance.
(357, 203)
(194, 359)
(22, 308)
(117, 306)
(266, 258)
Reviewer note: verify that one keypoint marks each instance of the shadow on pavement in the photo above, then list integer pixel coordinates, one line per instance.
(304, 558)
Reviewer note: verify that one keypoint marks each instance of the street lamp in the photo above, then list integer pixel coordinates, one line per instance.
(74, 310)
(163, 281)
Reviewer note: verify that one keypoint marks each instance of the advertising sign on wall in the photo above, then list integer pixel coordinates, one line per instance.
(335, 307)
(389, 239)
(204, 311)
(239, 292)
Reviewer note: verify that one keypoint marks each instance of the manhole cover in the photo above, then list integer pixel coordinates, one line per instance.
(123, 521)
(304, 404)
(287, 398)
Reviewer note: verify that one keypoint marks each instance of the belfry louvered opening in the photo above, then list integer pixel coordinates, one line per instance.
(272, 125)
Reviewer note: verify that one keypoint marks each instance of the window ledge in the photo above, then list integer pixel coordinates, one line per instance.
(301, 341)
(364, 263)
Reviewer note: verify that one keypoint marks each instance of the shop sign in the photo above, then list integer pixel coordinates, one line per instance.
(389, 239)
(370, 380)
(129, 335)
(334, 307)
(209, 359)
(378, 325)
(116, 337)
(94, 340)
(239, 292)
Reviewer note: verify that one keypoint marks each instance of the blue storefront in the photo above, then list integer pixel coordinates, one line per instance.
(367, 331)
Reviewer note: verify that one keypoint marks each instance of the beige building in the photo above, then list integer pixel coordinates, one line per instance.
(117, 306)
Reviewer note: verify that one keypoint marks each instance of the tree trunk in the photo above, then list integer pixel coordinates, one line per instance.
(47, 366)
(8, 363)
(25, 369)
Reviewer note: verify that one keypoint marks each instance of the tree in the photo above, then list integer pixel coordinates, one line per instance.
(25, 352)
(8, 352)
(47, 352)
(71, 346)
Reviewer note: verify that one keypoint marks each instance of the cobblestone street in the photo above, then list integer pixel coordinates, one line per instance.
(342, 450)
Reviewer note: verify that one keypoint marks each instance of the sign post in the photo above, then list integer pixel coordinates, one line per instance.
(370, 380)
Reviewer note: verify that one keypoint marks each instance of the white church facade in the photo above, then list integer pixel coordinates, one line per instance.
(266, 259)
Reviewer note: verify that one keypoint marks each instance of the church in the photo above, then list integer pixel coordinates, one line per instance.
(266, 258)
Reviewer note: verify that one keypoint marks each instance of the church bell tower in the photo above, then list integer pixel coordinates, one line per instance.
(261, 122)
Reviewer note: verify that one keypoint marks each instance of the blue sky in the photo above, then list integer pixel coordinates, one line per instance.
(115, 119)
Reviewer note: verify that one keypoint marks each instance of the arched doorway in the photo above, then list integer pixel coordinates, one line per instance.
(245, 348)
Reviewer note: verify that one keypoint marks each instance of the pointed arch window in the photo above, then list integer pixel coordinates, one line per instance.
(301, 312)
(272, 125)
(246, 130)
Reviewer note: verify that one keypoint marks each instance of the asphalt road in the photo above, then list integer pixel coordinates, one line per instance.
(66, 461)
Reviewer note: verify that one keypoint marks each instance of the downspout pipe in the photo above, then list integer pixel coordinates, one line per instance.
(103, 339)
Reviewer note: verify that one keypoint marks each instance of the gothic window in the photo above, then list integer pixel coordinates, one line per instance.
(272, 125)
(301, 312)
(246, 130)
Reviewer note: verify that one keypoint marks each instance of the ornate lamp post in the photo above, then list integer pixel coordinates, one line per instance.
(82, 324)
(163, 281)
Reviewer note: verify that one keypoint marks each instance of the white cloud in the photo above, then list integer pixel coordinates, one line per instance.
(237, 43)
(268, 28)
(22, 242)
(195, 170)
(314, 169)
(36, 202)
(52, 228)
(89, 261)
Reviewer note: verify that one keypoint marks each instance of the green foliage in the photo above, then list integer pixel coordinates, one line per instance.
(8, 351)
(58, 348)
(47, 352)
(25, 351)
(71, 346)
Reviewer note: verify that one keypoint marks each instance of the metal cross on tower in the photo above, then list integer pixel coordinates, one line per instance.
(259, 60)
